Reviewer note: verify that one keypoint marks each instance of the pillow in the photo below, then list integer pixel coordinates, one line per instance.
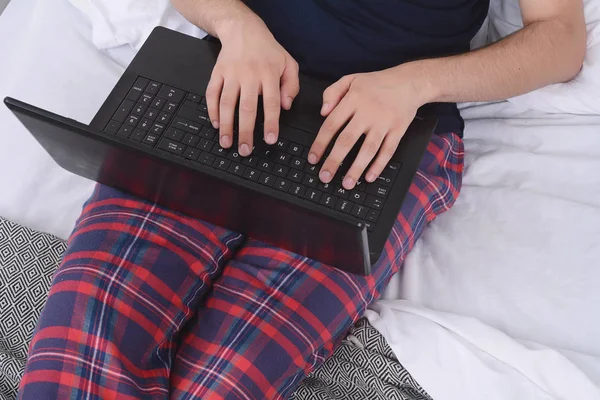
(129, 22)
(28, 260)
(579, 96)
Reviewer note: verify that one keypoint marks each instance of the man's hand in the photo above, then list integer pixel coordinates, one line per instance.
(250, 63)
(380, 105)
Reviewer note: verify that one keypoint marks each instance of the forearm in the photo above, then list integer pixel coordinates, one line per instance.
(215, 16)
(540, 54)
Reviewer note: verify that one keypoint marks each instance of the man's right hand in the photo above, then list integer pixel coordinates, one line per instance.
(251, 62)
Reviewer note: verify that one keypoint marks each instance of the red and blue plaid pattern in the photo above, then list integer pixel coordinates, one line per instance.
(150, 304)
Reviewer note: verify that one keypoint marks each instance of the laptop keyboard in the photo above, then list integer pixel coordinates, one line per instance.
(177, 122)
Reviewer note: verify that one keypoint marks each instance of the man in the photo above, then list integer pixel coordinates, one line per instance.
(152, 304)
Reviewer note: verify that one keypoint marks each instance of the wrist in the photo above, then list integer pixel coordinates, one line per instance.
(232, 25)
(423, 75)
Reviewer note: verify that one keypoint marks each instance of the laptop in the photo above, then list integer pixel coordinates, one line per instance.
(152, 138)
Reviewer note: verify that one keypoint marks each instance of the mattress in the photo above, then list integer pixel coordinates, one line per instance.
(518, 252)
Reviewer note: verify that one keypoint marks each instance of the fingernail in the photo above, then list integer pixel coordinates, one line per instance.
(325, 108)
(271, 138)
(244, 150)
(371, 177)
(348, 183)
(312, 158)
(225, 141)
(325, 176)
(215, 124)
(288, 102)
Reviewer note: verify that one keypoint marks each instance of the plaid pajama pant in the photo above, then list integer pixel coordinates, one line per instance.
(150, 304)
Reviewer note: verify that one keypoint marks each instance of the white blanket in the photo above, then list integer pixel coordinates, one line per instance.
(455, 357)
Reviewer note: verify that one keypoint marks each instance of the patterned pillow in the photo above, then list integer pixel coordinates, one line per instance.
(28, 260)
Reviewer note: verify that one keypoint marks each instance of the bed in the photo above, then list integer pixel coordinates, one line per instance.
(500, 294)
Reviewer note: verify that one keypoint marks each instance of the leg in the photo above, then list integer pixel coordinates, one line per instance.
(133, 275)
(274, 316)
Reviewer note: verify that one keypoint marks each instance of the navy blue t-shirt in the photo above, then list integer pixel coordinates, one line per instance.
(333, 38)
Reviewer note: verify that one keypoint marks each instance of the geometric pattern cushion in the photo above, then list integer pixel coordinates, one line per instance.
(28, 260)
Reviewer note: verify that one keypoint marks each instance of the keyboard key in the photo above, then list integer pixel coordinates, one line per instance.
(172, 94)
(280, 170)
(282, 144)
(282, 158)
(190, 104)
(328, 200)
(170, 107)
(236, 169)
(132, 120)
(203, 108)
(188, 126)
(125, 131)
(206, 158)
(220, 151)
(360, 185)
(310, 181)
(158, 129)
(298, 162)
(296, 176)
(146, 99)
(313, 195)
(194, 115)
(221, 163)
(196, 98)
(159, 103)
(138, 135)
(263, 151)
(265, 165)
(341, 192)
(192, 153)
(374, 202)
(140, 84)
(153, 88)
(296, 149)
(146, 124)
(164, 118)
(297, 190)
(313, 169)
(384, 180)
(359, 211)
(171, 146)
(203, 100)
(150, 139)
(377, 189)
(112, 127)
(133, 94)
(370, 226)
(357, 196)
(372, 216)
(208, 132)
(234, 155)
(393, 168)
(251, 174)
(325, 187)
(282, 184)
(151, 114)
(266, 179)
(175, 134)
(251, 161)
(139, 109)
(124, 110)
(191, 140)
(344, 205)
(205, 145)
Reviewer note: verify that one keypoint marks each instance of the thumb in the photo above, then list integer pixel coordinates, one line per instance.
(335, 93)
(290, 84)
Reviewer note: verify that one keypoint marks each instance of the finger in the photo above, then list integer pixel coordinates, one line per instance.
(247, 117)
(387, 150)
(290, 83)
(335, 93)
(229, 98)
(272, 106)
(332, 125)
(367, 152)
(343, 144)
(213, 96)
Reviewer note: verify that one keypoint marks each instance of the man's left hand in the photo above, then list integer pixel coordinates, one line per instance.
(379, 105)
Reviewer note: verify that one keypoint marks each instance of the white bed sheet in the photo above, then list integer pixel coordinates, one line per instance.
(459, 266)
